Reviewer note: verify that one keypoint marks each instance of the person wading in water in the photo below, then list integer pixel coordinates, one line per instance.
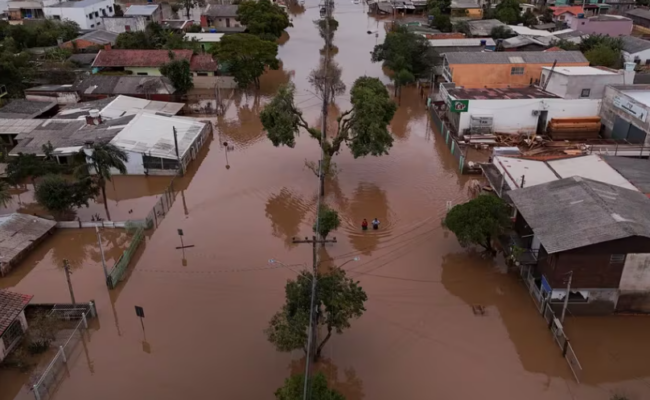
(375, 224)
(364, 225)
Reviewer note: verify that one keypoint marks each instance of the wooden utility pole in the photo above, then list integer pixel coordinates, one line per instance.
(178, 157)
(566, 298)
(66, 268)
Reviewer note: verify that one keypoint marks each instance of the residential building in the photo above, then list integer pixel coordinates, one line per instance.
(597, 233)
(466, 9)
(87, 13)
(582, 82)
(640, 17)
(220, 16)
(13, 323)
(94, 39)
(636, 50)
(523, 43)
(504, 69)
(620, 7)
(177, 24)
(560, 13)
(483, 27)
(124, 24)
(18, 10)
(148, 62)
(474, 111)
(451, 45)
(28, 109)
(151, 12)
(612, 25)
(19, 234)
(207, 40)
(97, 87)
(624, 113)
(118, 107)
(61, 94)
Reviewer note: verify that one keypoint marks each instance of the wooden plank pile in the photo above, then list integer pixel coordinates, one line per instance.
(574, 128)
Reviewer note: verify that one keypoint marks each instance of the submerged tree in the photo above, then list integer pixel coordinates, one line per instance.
(61, 195)
(293, 388)
(328, 220)
(338, 300)
(263, 18)
(478, 221)
(363, 128)
(178, 72)
(247, 56)
(328, 76)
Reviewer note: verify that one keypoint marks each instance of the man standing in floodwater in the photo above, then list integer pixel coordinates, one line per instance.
(375, 224)
(364, 225)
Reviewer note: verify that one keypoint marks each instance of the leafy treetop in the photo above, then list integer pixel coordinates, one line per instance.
(178, 72)
(155, 36)
(263, 18)
(293, 388)
(246, 56)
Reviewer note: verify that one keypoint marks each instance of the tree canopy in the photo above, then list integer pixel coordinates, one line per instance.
(25, 166)
(338, 300)
(155, 36)
(246, 56)
(501, 32)
(293, 388)
(59, 195)
(42, 34)
(603, 55)
(5, 196)
(478, 221)
(600, 50)
(178, 72)
(328, 220)
(263, 18)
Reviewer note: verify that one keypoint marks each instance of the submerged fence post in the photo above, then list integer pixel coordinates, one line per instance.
(566, 345)
(65, 360)
(83, 317)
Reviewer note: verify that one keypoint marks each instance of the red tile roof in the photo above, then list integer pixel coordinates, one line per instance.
(575, 10)
(554, 49)
(203, 62)
(11, 305)
(138, 58)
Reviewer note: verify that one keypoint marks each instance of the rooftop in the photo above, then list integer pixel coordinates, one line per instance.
(642, 96)
(462, 4)
(639, 12)
(461, 42)
(205, 37)
(74, 111)
(520, 41)
(121, 106)
(575, 10)
(580, 71)
(25, 109)
(153, 134)
(576, 212)
(83, 59)
(18, 232)
(76, 4)
(632, 44)
(543, 27)
(520, 57)
(528, 92)
(99, 37)
(483, 27)
(221, 10)
(203, 62)
(127, 85)
(522, 30)
(636, 171)
(50, 88)
(137, 58)
(135, 10)
(11, 305)
(606, 17)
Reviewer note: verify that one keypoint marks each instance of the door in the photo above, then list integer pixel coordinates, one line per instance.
(227, 22)
(541, 122)
(620, 129)
(635, 135)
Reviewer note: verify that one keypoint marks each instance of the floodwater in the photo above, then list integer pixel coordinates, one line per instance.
(206, 307)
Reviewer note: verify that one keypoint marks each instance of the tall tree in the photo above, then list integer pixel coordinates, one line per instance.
(30, 166)
(293, 389)
(5, 196)
(263, 18)
(246, 56)
(478, 221)
(338, 300)
(188, 5)
(363, 128)
(529, 19)
(328, 220)
(101, 159)
(501, 32)
(60, 195)
(604, 56)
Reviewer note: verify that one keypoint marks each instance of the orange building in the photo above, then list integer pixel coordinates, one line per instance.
(504, 69)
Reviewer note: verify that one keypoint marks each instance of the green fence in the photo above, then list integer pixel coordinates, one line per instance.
(452, 144)
(119, 269)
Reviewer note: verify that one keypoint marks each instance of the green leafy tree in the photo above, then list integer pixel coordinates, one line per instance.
(263, 18)
(592, 41)
(478, 221)
(508, 16)
(565, 45)
(247, 56)
(528, 18)
(156, 36)
(195, 29)
(293, 388)
(188, 5)
(363, 128)
(547, 15)
(178, 72)
(603, 55)
(60, 195)
(441, 21)
(501, 32)
(5, 196)
(30, 166)
(101, 159)
(443, 6)
(338, 300)
(328, 220)
(322, 25)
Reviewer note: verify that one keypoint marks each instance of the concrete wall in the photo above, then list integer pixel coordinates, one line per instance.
(134, 165)
(219, 22)
(143, 70)
(636, 273)
(612, 28)
(118, 24)
(499, 75)
(516, 116)
(642, 56)
(600, 302)
(571, 86)
(609, 112)
(80, 15)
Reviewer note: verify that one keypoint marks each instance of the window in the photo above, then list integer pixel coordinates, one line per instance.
(517, 71)
(585, 93)
(110, 9)
(143, 73)
(90, 16)
(617, 259)
(92, 25)
(647, 62)
(98, 23)
(201, 74)
(127, 28)
(96, 14)
(57, 17)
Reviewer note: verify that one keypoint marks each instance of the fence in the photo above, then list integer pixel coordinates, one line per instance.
(46, 385)
(554, 324)
(450, 141)
(117, 272)
(162, 206)
(101, 224)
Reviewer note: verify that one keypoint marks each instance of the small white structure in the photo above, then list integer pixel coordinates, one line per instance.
(123, 106)
(151, 12)
(13, 323)
(636, 50)
(581, 82)
(124, 24)
(87, 13)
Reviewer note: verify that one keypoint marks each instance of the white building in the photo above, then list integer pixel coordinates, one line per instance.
(87, 13)
(636, 50)
(151, 12)
(582, 82)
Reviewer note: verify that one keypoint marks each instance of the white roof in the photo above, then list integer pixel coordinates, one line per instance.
(125, 105)
(461, 42)
(205, 37)
(153, 135)
(534, 172)
(522, 30)
(141, 10)
(580, 71)
(642, 96)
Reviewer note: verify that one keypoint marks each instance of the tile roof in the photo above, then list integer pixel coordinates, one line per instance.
(633, 44)
(221, 10)
(18, 232)
(576, 212)
(138, 58)
(637, 171)
(25, 109)
(203, 62)
(575, 10)
(519, 57)
(11, 305)
(640, 13)
(99, 37)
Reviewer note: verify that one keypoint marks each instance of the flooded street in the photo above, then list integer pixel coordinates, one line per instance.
(419, 338)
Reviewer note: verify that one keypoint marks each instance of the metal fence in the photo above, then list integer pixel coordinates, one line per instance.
(46, 385)
(162, 206)
(450, 141)
(116, 273)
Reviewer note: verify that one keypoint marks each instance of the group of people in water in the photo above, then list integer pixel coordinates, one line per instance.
(375, 224)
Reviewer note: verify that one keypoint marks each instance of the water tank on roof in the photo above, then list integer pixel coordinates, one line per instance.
(212, 30)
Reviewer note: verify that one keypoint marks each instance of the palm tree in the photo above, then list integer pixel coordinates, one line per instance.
(103, 158)
(5, 196)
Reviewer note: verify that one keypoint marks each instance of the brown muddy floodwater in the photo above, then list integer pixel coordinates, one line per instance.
(419, 338)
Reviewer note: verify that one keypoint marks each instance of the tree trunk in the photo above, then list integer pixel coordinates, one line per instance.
(322, 344)
(395, 93)
(108, 215)
(187, 11)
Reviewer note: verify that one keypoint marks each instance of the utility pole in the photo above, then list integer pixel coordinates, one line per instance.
(66, 268)
(566, 298)
(178, 157)
(101, 251)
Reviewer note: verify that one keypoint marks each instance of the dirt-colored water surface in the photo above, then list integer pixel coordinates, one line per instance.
(419, 338)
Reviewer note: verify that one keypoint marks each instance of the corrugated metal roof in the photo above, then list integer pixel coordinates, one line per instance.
(637, 171)
(141, 10)
(18, 232)
(528, 57)
(461, 42)
(633, 44)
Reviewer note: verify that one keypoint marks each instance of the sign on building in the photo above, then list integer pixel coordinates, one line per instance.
(630, 108)
(459, 106)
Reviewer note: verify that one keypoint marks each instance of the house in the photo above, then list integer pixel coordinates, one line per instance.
(596, 233)
(523, 43)
(450, 45)
(503, 69)
(19, 234)
(640, 17)
(61, 94)
(582, 82)
(624, 113)
(86, 13)
(466, 9)
(620, 7)
(476, 111)
(560, 13)
(13, 323)
(124, 24)
(151, 12)
(636, 50)
(94, 39)
(148, 62)
(207, 40)
(96, 87)
(612, 25)
(220, 16)
(483, 27)
(28, 109)
(118, 107)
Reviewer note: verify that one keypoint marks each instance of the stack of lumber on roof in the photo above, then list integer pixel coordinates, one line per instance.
(574, 128)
